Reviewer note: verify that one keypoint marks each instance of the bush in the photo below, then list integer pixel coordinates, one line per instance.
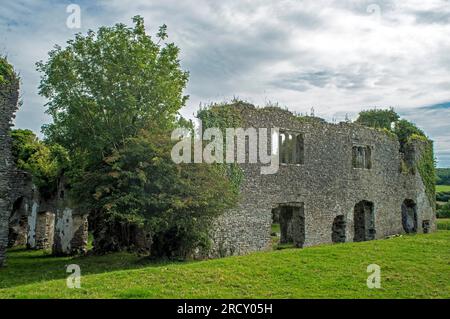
(139, 184)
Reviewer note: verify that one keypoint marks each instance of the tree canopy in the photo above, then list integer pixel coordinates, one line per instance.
(109, 85)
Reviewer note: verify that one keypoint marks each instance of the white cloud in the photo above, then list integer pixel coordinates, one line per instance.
(338, 56)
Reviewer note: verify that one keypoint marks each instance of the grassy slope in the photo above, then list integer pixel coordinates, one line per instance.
(442, 188)
(411, 266)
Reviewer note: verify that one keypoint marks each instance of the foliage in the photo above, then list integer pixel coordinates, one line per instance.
(223, 116)
(406, 132)
(6, 70)
(140, 184)
(426, 167)
(444, 211)
(376, 118)
(443, 224)
(413, 266)
(44, 162)
(114, 97)
(109, 85)
(443, 176)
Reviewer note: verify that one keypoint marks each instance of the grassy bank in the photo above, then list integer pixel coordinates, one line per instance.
(411, 267)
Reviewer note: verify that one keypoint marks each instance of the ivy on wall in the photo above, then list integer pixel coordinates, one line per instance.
(427, 166)
(223, 116)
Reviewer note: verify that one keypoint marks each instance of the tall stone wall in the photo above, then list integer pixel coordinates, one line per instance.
(9, 96)
(326, 185)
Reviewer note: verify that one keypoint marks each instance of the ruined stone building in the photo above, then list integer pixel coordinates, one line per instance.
(336, 183)
(26, 216)
(9, 96)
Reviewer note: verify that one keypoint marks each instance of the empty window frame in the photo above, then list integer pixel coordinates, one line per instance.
(291, 146)
(362, 157)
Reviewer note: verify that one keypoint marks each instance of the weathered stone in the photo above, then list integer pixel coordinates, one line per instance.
(345, 169)
(9, 96)
(45, 229)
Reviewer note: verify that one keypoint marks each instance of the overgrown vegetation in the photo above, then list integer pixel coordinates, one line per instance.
(406, 132)
(443, 176)
(223, 116)
(114, 97)
(44, 162)
(413, 266)
(6, 70)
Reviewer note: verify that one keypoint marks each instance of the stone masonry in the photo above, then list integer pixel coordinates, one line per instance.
(9, 97)
(345, 184)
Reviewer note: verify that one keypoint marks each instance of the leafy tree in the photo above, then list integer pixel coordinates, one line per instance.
(109, 85)
(140, 184)
(114, 96)
(44, 162)
(443, 176)
(378, 118)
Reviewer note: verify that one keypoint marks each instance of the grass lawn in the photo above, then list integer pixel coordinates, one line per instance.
(415, 266)
(442, 188)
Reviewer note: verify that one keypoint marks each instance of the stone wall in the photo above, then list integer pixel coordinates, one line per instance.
(327, 185)
(9, 96)
(55, 223)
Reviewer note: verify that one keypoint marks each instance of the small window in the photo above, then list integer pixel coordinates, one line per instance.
(291, 148)
(362, 157)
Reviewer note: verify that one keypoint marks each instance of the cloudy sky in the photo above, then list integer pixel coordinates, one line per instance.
(337, 57)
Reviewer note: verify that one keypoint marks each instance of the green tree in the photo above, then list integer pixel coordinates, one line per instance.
(44, 162)
(109, 85)
(140, 184)
(378, 118)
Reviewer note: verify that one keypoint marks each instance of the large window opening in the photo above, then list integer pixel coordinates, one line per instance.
(364, 221)
(362, 157)
(291, 146)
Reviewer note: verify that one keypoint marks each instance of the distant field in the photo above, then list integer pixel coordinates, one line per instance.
(412, 266)
(442, 188)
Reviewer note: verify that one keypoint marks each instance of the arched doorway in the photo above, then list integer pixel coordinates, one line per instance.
(409, 216)
(364, 221)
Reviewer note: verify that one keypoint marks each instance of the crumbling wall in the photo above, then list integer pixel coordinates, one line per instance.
(9, 96)
(328, 182)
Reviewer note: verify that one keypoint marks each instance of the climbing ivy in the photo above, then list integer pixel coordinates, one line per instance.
(427, 166)
(223, 116)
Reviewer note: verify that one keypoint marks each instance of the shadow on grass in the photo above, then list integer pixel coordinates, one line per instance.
(26, 267)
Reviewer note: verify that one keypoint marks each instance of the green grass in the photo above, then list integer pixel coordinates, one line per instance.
(411, 267)
(442, 188)
(443, 224)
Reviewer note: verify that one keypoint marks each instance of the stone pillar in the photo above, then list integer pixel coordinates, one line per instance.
(71, 233)
(9, 96)
(45, 226)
